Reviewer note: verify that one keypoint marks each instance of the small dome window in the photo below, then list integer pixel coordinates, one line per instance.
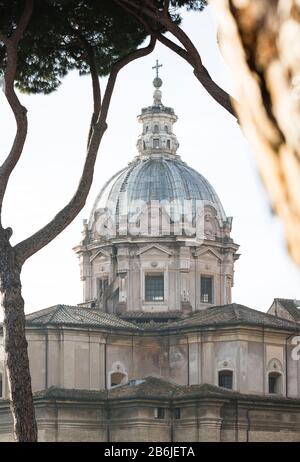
(166, 129)
(168, 144)
(146, 129)
(159, 413)
(155, 129)
(156, 143)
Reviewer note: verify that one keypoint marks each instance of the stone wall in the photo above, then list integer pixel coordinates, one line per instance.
(201, 419)
(86, 359)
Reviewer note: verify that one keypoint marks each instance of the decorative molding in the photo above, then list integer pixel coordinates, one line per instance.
(101, 251)
(155, 246)
(202, 251)
(274, 365)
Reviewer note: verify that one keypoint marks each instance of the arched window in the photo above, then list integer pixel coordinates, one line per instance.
(155, 130)
(117, 375)
(168, 144)
(144, 145)
(1, 385)
(146, 129)
(118, 378)
(166, 129)
(275, 383)
(225, 379)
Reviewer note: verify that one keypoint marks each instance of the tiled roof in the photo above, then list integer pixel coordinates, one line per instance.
(148, 388)
(233, 314)
(291, 306)
(151, 315)
(65, 394)
(74, 316)
(149, 320)
(226, 315)
(156, 388)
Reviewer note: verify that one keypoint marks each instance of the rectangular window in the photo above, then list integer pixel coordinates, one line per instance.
(156, 143)
(225, 379)
(103, 284)
(159, 413)
(275, 382)
(206, 289)
(1, 386)
(272, 384)
(154, 288)
(177, 413)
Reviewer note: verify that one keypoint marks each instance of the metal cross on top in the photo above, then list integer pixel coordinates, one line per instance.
(157, 66)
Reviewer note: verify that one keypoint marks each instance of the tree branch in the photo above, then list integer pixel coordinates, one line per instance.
(22, 25)
(159, 36)
(19, 111)
(166, 7)
(94, 75)
(194, 59)
(41, 238)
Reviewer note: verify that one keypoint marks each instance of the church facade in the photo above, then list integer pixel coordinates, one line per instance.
(157, 350)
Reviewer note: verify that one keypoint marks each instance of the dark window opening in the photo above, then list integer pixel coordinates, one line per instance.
(274, 383)
(1, 386)
(168, 144)
(166, 129)
(177, 413)
(156, 143)
(159, 413)
(103, 284)
(206, 289)
(154, 288)
(155, 129)
(225, 379)
(117, 378)
(144, 145)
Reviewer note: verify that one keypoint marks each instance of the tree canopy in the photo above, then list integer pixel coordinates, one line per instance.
(61, 31)
(57, 36)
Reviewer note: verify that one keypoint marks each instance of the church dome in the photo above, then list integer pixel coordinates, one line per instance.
(156, 178)
(158, 241)
(161, 179)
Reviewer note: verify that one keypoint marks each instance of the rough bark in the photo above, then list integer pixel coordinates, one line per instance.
(260, 40)
(90, 58)
(15, 344)
(20, 112)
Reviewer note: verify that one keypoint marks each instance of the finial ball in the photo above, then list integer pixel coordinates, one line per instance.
(157, 82)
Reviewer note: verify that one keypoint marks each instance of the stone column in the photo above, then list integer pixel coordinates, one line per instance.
(209, 420)
(242, 424)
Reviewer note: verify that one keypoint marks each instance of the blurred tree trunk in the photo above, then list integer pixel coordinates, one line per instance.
(260, 40)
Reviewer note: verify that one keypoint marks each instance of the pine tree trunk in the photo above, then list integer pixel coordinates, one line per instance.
(15, 344)
(260, 40)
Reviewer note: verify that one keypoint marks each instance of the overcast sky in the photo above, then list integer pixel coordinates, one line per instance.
(210, 141)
